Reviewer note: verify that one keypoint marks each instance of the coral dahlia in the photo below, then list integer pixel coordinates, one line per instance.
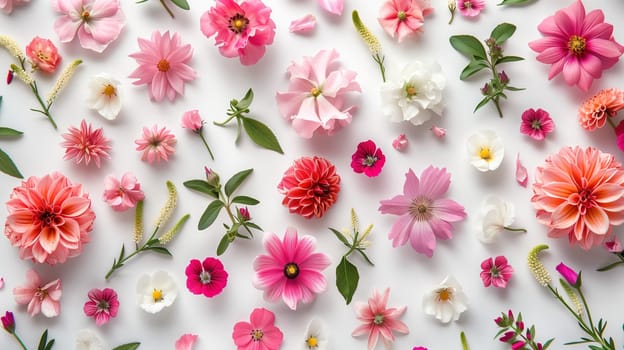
(595, 111)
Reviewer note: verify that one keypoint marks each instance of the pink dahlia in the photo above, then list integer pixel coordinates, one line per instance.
(207, 277)
(86, 144)
(163, 65)
(156, 144)
(579, 45)
(317, 94)
(595, 111)
(470, 8)
(496, 272)
(423, 213)
(260, 333)
(403, 18)
(290, 270)
(122, 194)
(49, 218)
(242, 30)
(40, 297)
(102, 305)
(43, 54)
(536, 124)
(310, 186)
(579, 193)
(368, 159)
(379, 320)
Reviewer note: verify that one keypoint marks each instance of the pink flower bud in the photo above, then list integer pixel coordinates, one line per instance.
(192, 121)
(508, 336)
(9, 77)
(437, 131)
(614, 246)
(400, 142)
(8, 322)
(517, 345)
(570, 275)
(211, 177)
(244, 214)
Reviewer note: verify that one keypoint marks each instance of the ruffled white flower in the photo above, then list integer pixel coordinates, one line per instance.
(315, 336)
(156, 291)
(446, 302)
(103, 96)
(90, 340)
(415, 95)
(486, 150)
(496, 215)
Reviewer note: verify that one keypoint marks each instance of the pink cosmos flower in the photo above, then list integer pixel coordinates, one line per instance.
(496, 272)
(207, 277)
(242, 30)
(403, 18)
(522, 176)
(423, 213)
(86, 144)
(317, 94)
(258, 334)
(102, 305)
(44, 298)
(122, 194)
(7, 5)
(43, 54)
(302, 25)
(49, 218)
(192, 120)
(156, 144)
(470, 8)
(290, 270)
(379, 320)
(400, 142)
(536, 124)
(576, 44)
(163, 65)
(186, 342)
(97, 22)
(368, 159)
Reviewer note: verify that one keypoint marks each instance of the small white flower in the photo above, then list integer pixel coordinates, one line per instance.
(89, 340)
(103, 96)
(446, 302)
(496, 215)
(156, 291)
(315, 336)
(486, 150)
(416, 94)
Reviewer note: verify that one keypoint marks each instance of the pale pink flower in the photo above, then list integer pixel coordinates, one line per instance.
(302, 25)
(403, 18)
(97, 22)
(379, 320)
(260, 333)
(43, 54)
(317, 94)
(156, 144)
(576, 44)
(86, 144)
(186, 342)
(423, 213)
(522, 177)
(122, 194)
(438, 131)
(163, 65)
(470, 8)
(7, 5)
(400, 142)
(192, 120)
(40, 297)
(332, 6)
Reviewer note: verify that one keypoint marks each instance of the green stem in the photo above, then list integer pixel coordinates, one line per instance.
(452, 16)
(595, 334)
(228, 210)
(45, 108)
(167, 8)
(121, 262)
(201, 134)
(223, 123)
(531, 342)
(500, 112)
(19, 340)
(512, 229)
(610, 121)
(380, 63)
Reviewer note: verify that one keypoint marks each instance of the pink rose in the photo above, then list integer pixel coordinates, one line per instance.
(43, 54)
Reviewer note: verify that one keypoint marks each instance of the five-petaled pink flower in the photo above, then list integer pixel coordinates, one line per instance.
(97, 22)
(496, 272)
(368, 159)
(7, 5)
(163, 65)
(470, 8)
(43, 54)
(317, 94)
(290, 270)
(403, 18)
(423, 213)
(156, 144)
(258, 334)
(536, 124)
(122, 194)
(379, 320)
(206, 277)
(102, 305)
(578, 45)
(86, 144)
(40, 297)
(242, 30)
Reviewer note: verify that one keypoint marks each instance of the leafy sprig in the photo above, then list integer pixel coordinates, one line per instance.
(512, 331)
(7, 165)
(514, 2)
(129, 346)
(183, 4)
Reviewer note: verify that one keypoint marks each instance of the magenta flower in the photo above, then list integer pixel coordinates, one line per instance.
(122, 194)
(379, 320)
(368, 159)
(44, 298)
(536, 124)
(207, 277)
(470, 8)
(163, 65)
(102, 305)
(290, 270)
(156, 144)
(496, 272)
(403, 18)
(258, 334)
(571, 276)
(423, 213)
(243, 30)
(576, 44)
(8, 322)
(86, 144)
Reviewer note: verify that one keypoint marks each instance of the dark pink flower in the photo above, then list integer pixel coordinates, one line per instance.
(8, 322)
(102, 305)
(207, 277)
(86, 144)
(368, 159)
(536, 124)
(43, 54)
(571, 276)
(258, 334)
(496, 272)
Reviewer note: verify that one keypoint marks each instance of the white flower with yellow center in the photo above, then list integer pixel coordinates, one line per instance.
(486, 150)
(156, 291)
(315, 336)
(446, 302)
(103, 96)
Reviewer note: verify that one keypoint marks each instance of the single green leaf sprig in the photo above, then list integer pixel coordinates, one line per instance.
(464, 341)
(129, 346)
(514, 2)
(183, 4)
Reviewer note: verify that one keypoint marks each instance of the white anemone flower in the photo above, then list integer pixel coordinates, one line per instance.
(446, 302)
(315, 336)
(496, 215)
(156, 291)
(416, 95)
(486, 150)
(103, 96)
(89, 340)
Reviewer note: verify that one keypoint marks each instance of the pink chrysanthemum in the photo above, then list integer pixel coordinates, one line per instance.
(423, 213)
(576, 44)
(102, 305)
(579, 193)
(379, 320)
(290, 270)
(122, 194)
(207, 277)
(156, 144)
(163, 65)
(496, 272)
(258, 334)
(86, 144)
(595, 111)
(368, 159)
(470, 8)
(40, 297)
(403, 18)
(49, 218)
(536, 124)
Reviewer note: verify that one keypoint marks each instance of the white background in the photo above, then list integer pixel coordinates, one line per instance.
(409, 275)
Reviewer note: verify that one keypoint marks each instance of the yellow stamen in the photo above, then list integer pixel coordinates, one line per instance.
(577, 45)
(485, 154)
(315, 92)
(445, 294)
(312, 342)
(257, 334)
(109, 91)
(157, 295)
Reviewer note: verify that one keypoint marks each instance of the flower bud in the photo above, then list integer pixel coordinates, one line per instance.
(614, 246)
(8, 322)
(211, 177)
(517, 345)
(508, 336)
(571, 276)
(504, 79)
(485, 90)
(192, 120)
(9, 77)
(244, 214)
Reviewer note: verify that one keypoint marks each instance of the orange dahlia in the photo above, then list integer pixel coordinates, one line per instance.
(595, 111)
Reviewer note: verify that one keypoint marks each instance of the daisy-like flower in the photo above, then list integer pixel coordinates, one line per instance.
(156, 143)
(86, 144)
(470, 8)
(536, 124)
(595, 111)
(403, 18)
(8, 5)
(259, 333)
(102, 305)
(43, 55)
(163, 65)
(368, 159)
(423, 212)
(496, 272)
(186, 342)
(577, 44)
(446, 302)
(416, 95)
(122, 194)
(40, 297)
(206, 277)
(104, 96)
(156, 291)
(88, 339)
(315, 336)
(379, 320)
(486, 150)
(496, 215)
(290, 270)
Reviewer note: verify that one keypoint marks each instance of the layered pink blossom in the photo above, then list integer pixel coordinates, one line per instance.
(496, 272)
(404, 18)
(156, 144)
(102, 305)
(122, 194)
(536, 124)
(40, 297)
(260, 333)
(43, 54)
(8, 5)
(85, 144)
(379, 320)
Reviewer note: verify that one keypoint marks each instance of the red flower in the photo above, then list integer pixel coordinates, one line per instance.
(207, 277)
(368, 159)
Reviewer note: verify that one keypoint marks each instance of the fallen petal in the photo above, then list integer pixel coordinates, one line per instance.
(303, 24)
(521, 172)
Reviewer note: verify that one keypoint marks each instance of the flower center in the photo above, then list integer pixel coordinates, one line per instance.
(163, 65)
(320, 189)
(445, 294)
(291, 270)
(536, 124)
(378, 320)
(316, 92)
(401, 15)
(583, 199)
(370, 160)
(485, 154)
(419, 209)
(47, 218)
(41, 293)
(109, 91)
(42, 56)
(157, 295)
(205, 277)
(577, 45)
(312, 342)
(103, 305)
(257, 334)
(494, 272)
(85, 15)
(238, 23)
(410, 90)
(467, 4)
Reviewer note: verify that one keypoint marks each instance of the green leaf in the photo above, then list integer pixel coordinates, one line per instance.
(8, 167)
(464, 341)
(183, 4)
(232, 184)
(160, 250)
(365, 256)
(509, 59)
(347, 278)
(610, 266)
(472, 68)
(210, 214)
(514, 2)
(502, 32)
(482, 103)
(341, 237)
(9, 132)
(511, 88)
(245, 102)
(261, 135)
(129, 346)
(202, 186)
(50, 344)
(547, 343)
(43, 340)
(468, 45)
(245, 200)
(252, 225)
(223, 244)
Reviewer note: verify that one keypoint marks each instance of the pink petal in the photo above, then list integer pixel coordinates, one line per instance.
(522, 176)
(422, 238)
(303, 24)
(332, 6)
(185, 342)
(66, 29)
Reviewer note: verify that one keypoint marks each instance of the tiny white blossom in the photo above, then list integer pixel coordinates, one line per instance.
(315, 336)
(486, 150)
(89, 340)
(496, 215)
(156, 291)
(446, 302)
(103, 96)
